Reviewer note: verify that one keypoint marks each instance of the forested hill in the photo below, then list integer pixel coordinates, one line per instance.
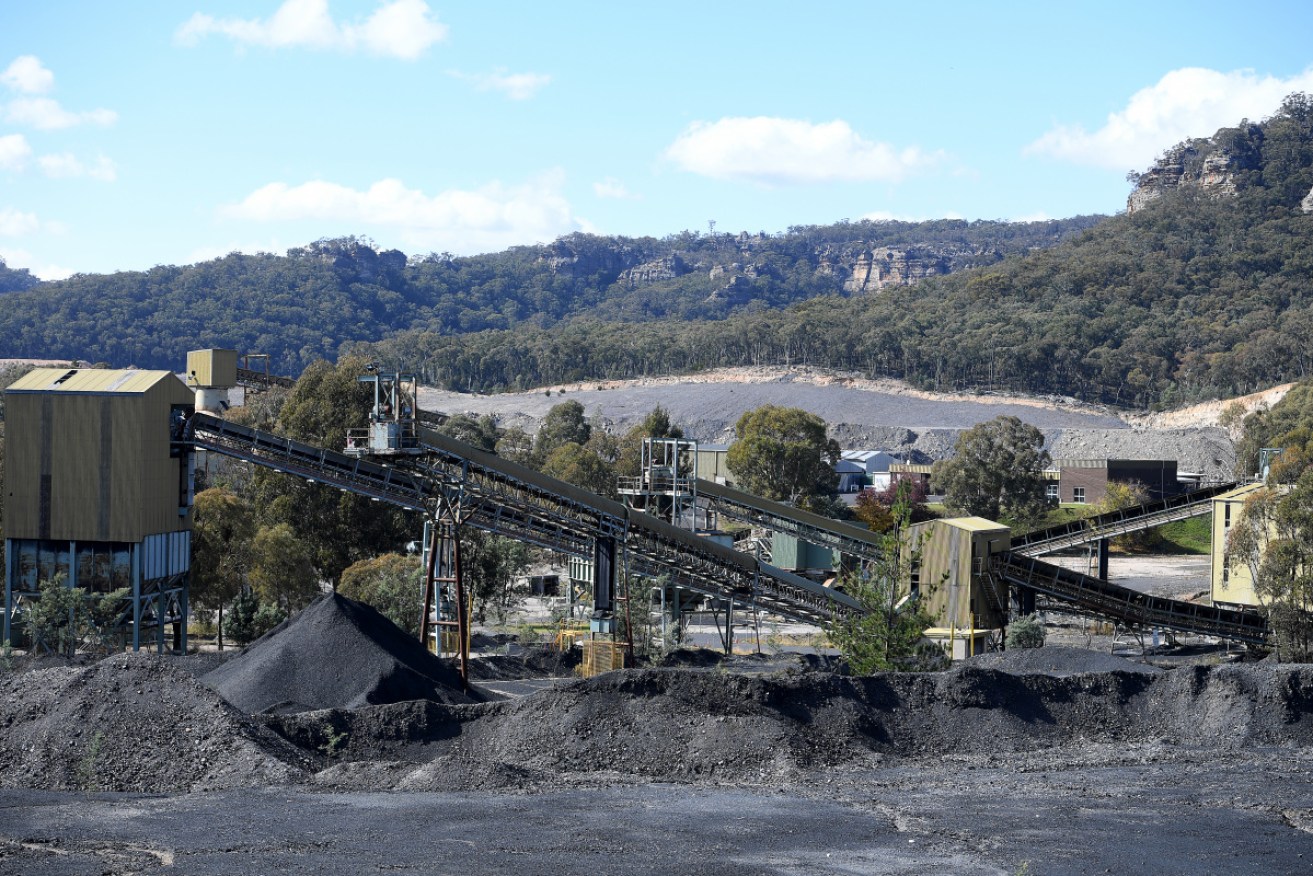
(1203, 290)
(305, 305)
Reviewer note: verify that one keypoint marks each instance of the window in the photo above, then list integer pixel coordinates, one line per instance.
(1051, 491)
(1226, 523)
(1078, 495)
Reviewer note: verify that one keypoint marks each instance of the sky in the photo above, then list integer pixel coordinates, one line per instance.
(156, 132)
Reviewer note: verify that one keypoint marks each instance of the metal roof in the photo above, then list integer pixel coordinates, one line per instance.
(973, 524)
(128, 381)
(1239, 492)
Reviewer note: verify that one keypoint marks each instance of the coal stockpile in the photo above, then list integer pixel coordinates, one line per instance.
(713, 726)
(1057, 660)
(133, 722)
(336, 654)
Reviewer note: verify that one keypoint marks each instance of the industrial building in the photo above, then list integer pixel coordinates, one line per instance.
(99, 491)
(1232, 583)
(949, 562)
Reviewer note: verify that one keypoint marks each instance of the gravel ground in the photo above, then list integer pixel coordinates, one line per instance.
(859, 413)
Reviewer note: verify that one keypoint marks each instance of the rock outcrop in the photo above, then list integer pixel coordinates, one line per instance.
(1206, 163)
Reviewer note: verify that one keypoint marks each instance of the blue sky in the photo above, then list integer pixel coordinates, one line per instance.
(145, 132)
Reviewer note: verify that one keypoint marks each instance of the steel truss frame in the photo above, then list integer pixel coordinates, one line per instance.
(1131, 607)
(1114, 523)
(506, 499)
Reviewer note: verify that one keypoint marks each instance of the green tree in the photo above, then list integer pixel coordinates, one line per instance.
(889, 634)
(480, 433)
(1119, 496)
(65, 619)
(281, 571)
(326, 401)
(392, 583)
(490, 565)
(223, 527)
(580, 466)
(1273, 539)
(783, 454)
(335, 528)
(516, 445)
(657, 424)
(564, 424)
(996, 470)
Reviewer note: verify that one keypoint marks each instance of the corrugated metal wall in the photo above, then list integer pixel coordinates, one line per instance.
(93, 465)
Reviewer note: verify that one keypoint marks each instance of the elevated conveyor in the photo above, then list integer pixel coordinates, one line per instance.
(1114, 523)
(507, 499)
(738, 505)
(1131, 607)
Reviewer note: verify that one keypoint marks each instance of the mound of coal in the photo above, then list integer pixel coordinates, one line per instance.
(336, 654)
(1057, 660)
(133, 722)
(538, 661)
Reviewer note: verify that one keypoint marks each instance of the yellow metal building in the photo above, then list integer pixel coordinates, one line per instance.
(1231, 584)
(952, 576)
(97, 491)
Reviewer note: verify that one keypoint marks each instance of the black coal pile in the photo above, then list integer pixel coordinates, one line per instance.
(536, 661)
(133, 722)
(1057, 660)
(336, 654)
(700, 726)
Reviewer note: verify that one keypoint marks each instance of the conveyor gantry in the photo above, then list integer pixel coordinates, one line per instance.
(507, 499)
(804, 525)
(1128, 606)
(1114, 523)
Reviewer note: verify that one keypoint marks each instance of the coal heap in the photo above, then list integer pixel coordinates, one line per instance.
(336, 654)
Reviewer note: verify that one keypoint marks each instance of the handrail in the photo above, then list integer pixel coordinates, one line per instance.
(1120, 522)
(1124, 604)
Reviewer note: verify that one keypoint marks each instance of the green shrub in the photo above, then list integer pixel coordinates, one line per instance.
(1025, 632)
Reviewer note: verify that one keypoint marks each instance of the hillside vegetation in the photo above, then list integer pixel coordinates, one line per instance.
(303, 306)
(1202, 293)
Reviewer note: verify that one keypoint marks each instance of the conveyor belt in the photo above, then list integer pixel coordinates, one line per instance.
(778, 517)
(512, 500)
(1123, 604)
(1114, 523)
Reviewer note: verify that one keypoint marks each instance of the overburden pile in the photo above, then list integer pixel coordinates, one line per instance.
(336, 654)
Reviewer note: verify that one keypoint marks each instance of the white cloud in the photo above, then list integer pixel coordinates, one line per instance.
(516, 86)
(14, 152)
(1190, 102)
(66, 165)
(774, 151)
(14, 223)
(27, 75)
(400, 28)
(613, 188)
(21, 258)
(491, 218)
(47, 115)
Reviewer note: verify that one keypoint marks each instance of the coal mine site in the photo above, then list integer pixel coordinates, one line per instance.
(336, 744)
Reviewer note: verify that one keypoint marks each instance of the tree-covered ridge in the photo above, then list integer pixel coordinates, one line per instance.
(15, 279)
(305, 305)
(1197, 295)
